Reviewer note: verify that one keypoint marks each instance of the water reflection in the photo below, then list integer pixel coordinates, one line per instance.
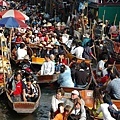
(42, 113)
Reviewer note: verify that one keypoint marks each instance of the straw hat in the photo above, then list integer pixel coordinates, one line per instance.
(54, 34)
(58, 24)
(49, 46)
(40, 45)
(27, 57)
(49, 24)
(63, 24)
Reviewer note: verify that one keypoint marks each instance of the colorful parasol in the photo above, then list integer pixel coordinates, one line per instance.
(14, 13)
(3, 3)
(10, 22)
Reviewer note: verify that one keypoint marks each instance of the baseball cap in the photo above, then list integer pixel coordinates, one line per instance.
(75, 92)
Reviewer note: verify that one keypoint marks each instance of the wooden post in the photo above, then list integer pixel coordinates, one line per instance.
(11, 30)
(3, 59)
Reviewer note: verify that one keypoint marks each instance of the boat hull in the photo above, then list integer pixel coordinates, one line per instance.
(24, 107)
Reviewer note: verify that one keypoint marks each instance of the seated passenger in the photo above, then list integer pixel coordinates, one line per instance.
(57, 66)
(104, 108)
(81, 76)
(65, 79)
(48, 67)
(31, 90)
(78, 112)
(17, 88)
(63, 116)
(60, 109)
(74, 95)
(58, 98)
(113, 87)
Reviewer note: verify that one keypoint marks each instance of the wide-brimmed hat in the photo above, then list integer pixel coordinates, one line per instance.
(40, 45)
(49, 46)
(63, 24)
(26, 57)
(58, 24)
(48, 24)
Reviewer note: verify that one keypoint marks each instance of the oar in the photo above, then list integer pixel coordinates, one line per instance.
(113, 66)
(115, 19)
(94, 80)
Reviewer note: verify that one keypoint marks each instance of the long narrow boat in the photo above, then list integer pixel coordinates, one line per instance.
(24, 107)
(47, 78)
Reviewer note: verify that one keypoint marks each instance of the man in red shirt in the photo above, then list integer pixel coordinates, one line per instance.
(17, 88)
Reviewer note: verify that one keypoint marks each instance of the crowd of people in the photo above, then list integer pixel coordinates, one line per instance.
(54, 41)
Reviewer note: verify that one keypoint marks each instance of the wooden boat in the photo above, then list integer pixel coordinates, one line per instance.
(118, 67)
(47, 78)
(87, 96)
(24, 107)
(70, 56)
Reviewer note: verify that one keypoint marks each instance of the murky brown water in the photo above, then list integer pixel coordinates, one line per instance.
(42, 113)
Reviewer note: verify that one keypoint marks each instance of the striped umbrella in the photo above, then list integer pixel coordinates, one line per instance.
(14, 13)
(10, 22)
(3, 3)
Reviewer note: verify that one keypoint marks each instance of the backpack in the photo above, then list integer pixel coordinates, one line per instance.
(114, 113)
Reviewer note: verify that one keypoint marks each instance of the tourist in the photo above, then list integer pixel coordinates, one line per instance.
(87, 53)
(81, 76)
(78, 51)
(64, 79)
(17, 88)
(31, 91)
(48, 67)
(78, 112)
(74, 95)
(62, 59)
(104, 108)
(100, 65)
(56, 99)
(113, 87)
(64, 115)
(60, 109)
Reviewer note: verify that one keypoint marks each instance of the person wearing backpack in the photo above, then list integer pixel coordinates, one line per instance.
(104, 108)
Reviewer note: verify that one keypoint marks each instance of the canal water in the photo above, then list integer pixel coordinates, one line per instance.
(42, 113)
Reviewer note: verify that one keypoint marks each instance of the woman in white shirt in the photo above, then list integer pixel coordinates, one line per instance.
(104, 108)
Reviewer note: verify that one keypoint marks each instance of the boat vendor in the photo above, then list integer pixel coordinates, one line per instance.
(48, 67)
(17, 88)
